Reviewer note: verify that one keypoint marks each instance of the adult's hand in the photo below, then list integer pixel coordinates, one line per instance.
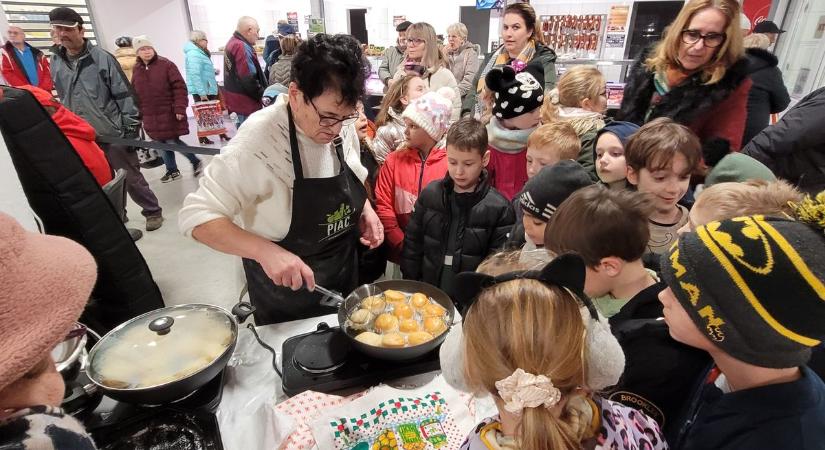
(372, 232)
(179, 116)
(285, 268)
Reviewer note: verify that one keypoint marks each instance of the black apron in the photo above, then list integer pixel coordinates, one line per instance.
(323, 233)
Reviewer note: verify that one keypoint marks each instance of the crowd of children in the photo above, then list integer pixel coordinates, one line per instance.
(700, 302)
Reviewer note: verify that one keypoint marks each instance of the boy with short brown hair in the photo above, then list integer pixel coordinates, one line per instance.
(549, 144)
(660, 157)
(458, 220)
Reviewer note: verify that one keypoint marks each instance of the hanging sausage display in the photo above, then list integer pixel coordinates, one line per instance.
(573, 36)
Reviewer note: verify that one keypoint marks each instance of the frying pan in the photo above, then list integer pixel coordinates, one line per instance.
(407, 286)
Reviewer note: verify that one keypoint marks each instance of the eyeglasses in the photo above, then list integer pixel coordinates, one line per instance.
(330, 121)
(413, 41)
(711, 40)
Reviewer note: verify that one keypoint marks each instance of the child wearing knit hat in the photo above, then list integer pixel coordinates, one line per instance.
(517, 99)
(408, 170)
(749, 291)
(609, 229)
(608, 154)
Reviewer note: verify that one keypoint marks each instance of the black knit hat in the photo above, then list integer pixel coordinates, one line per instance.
(65, 17)
(753, 286)
(551, 186)
(516, 93)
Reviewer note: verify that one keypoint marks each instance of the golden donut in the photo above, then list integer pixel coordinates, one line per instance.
(433, 310)
(435, 325)
(419, 300)
(386, 322)
(369, 338)
(393, 340)
(395, 296)
(409, 325)
(419, 337)
(403, 311)
(375, 304)
(360, 318)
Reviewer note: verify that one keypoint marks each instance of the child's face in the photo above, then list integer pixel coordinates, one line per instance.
(465, 167)
(524, 121)
(679, 323)
(666, 186)
(416, 136)
(534, 228)
(416, 87)
(610, 163)
(539, 158)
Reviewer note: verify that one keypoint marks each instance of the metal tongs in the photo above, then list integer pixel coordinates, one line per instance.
(335, 299)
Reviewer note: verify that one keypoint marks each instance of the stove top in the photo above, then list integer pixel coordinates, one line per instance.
(188, 424)
(325, 361)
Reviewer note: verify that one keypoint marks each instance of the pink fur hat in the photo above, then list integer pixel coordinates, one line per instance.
(46, 282)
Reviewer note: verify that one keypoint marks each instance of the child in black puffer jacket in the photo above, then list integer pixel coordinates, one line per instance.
(460, 219)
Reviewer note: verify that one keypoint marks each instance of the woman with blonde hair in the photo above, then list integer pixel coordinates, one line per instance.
(463, 57)
(696, 75)
(521, 44)
(526, 345)
(768, 95)
(580, 99)
(426, 60)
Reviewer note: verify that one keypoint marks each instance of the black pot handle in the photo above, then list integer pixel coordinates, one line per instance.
(242, 311)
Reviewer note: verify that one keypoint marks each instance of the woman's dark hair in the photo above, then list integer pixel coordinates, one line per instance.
(528, 14)
(330, 62)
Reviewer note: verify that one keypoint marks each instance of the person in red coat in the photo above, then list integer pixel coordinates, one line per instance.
(162, 100)
(21, 64)
(79, 133)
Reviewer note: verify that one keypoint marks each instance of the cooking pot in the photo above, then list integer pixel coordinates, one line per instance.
(166, 354)
(354, 299)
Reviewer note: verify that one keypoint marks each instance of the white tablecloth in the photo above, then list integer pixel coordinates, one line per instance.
(246, 414)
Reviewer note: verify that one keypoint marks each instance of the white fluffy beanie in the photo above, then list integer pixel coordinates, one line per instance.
(431, 112)
(141, 41)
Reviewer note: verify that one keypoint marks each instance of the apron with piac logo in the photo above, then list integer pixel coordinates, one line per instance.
(323, 233)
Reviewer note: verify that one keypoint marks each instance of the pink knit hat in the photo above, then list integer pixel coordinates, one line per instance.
(431, 112)
(46, 282)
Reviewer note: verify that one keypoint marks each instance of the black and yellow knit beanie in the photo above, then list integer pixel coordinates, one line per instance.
(755, 286)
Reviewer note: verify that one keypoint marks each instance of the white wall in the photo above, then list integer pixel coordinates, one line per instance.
(163, 21)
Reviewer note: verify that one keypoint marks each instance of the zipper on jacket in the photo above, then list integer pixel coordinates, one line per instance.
(421, 173)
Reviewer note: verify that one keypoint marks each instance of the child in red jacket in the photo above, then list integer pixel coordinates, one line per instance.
(517, 95)
(406, 171)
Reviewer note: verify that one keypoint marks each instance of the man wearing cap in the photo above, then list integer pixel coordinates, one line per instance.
(768, 28)
(751, 292)
(394, 55)
(22, 64)
(46, 283)
(91, 83)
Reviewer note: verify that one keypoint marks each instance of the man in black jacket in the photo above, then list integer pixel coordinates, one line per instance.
(794, 148)
(459, 220)
(768, 95)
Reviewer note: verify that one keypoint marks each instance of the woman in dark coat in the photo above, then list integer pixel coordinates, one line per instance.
(697, 75)
(768, 94)
(521, 40)
(161, 94)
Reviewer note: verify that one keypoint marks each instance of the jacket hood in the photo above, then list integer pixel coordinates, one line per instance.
(191, 47)
(125, 52)
(759, 59)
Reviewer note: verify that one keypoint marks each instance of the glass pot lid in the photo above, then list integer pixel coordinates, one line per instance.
(162, 346)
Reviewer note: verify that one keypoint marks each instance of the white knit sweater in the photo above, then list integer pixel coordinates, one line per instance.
(251, 180)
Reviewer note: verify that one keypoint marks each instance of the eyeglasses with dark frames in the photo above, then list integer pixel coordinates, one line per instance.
(330, 121)
(711, 40)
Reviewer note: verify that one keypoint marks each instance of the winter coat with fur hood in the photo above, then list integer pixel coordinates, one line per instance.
(712, 111)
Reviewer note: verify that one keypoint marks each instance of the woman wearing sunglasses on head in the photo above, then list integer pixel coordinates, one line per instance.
(426, 60)
(287, 193)
(696, 75)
